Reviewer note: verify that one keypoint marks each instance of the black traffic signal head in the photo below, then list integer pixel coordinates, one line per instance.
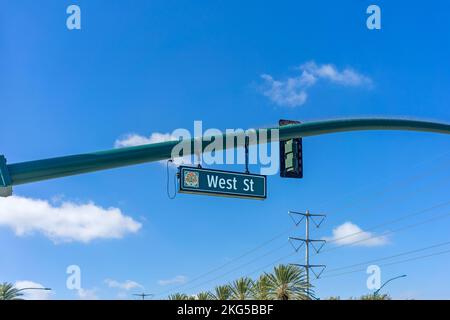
(291, 157)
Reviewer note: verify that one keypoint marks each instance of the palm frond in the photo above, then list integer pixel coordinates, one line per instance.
(287, 282)
(241, 289)
(9, 292)
(222, 293)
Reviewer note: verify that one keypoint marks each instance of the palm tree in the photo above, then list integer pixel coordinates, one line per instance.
(260, 289)
(241, 289)
(205, 295)
(287, 282)
(179, 296)
(9, 292)
(221, 293)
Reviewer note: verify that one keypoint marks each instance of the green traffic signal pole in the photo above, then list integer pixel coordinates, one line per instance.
(32, 171)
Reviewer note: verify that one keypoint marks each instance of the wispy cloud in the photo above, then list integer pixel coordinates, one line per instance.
(346, 77)
(87, 294)
(350, 234)
(293, 91)
(175, 280)
(65, 222)
(126, 285)
(133, 139)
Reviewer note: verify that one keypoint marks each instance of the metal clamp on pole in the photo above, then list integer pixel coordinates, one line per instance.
(5, 179)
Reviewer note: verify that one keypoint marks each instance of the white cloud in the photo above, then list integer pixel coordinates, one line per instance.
(348, 76)
(87, 294)
(126, 285)
(290, 93)
(32, 294)
(133, 139)
(293, 91)
(176, 280)
(65, 222)
(350, 234)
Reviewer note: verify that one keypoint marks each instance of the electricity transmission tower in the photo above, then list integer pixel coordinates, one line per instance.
(316, 244)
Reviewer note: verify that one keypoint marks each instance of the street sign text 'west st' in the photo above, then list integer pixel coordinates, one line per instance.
(222, 183)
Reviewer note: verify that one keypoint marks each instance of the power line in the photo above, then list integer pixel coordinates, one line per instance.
(407, 195)
(334, 248)
(400, 181)
(442, 204)
(389, 257)
(284, 232)
(270, 264)
(273, 239)
(359, 270)
(283, 258)
(234, 269)
(228, 262)
(390, 264)
(389, 232)
(279, 235)
(348, 244)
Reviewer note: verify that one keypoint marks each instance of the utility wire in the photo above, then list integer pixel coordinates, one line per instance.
(324, 251)
(235, 259)
(403, 196)
(419, 212)
(389, 264)
(270, 264)
(236, 268)
(388, 232)
(389, 257)
(290, 255)
(399, 181)
(366, 262)
(343, 245)
(268, 242)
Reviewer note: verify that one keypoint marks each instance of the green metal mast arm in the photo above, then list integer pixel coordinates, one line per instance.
(37, 170)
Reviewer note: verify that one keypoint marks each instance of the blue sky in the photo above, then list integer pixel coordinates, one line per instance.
(153, 66)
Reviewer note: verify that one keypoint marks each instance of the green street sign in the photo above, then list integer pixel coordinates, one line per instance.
(222, 183)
